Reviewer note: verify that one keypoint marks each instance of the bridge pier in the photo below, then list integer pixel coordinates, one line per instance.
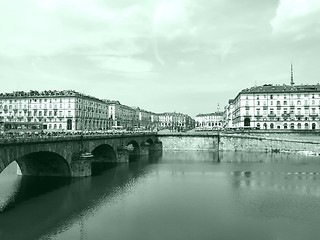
(122, 155)
(144, 149)
(157, 146)
(81, 168)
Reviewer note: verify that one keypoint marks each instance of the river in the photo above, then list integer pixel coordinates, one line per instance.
(176, 195)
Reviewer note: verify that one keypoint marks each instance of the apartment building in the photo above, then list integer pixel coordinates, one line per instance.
(277, 107)
(54, 110)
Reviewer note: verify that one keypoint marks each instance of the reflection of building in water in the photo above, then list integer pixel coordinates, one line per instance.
(299, 183)
(262, 157)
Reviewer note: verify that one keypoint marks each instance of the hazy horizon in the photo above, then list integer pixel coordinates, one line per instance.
(160, 55)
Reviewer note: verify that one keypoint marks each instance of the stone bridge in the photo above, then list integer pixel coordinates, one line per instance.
(70, 156)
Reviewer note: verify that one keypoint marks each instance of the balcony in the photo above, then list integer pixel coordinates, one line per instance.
(285, 115)
(299, 115)
(272, 115)
(313, 115)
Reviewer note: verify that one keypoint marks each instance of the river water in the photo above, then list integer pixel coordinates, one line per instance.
(179, 195)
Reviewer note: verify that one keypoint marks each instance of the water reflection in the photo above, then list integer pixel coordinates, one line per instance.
(177, 195)
(43, 205)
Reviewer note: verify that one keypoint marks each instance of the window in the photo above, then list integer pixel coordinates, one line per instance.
(258, 112)
(69, 124)
(284, 102)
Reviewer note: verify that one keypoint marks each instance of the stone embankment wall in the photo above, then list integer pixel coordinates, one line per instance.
(266, 144)
(188, 142)
(238, 142)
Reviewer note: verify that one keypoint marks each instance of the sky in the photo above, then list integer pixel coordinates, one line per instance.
(186, 56)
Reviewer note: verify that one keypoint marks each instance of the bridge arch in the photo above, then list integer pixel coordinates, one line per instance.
(150, 141)
(104, 153)
(44, 163)
(136, 147)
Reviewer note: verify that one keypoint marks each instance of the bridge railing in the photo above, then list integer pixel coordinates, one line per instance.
(64, 136)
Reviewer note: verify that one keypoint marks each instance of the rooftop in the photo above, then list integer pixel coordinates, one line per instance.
(269, 88)
(49, 93)
(210, 114)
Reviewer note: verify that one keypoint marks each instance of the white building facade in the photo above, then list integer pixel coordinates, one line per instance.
(209, 121)
(277, 107)
(54, 110)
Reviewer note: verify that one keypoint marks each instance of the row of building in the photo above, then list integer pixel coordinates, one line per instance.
(268, 107)
(259, 107)
(71, 110)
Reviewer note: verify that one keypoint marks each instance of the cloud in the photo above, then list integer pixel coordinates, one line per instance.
(43, 27)
(123, 64)
(295, 15)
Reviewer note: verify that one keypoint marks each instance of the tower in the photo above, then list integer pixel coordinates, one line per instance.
(292, 83)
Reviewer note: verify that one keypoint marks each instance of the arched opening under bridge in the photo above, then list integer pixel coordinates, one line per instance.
(44, 163)
(104, 157)
(134, 150)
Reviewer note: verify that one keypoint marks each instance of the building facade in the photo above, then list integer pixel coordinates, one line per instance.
(209, 121)
(146, 120)
(130, 118)
(120, 116)
(277, 107)
(54, 110)
(228, 115)
(175, 121)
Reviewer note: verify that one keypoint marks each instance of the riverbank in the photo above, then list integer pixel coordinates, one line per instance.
(298, 143)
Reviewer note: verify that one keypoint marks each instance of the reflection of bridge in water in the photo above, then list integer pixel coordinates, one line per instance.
(66, 201)
(70, 156)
